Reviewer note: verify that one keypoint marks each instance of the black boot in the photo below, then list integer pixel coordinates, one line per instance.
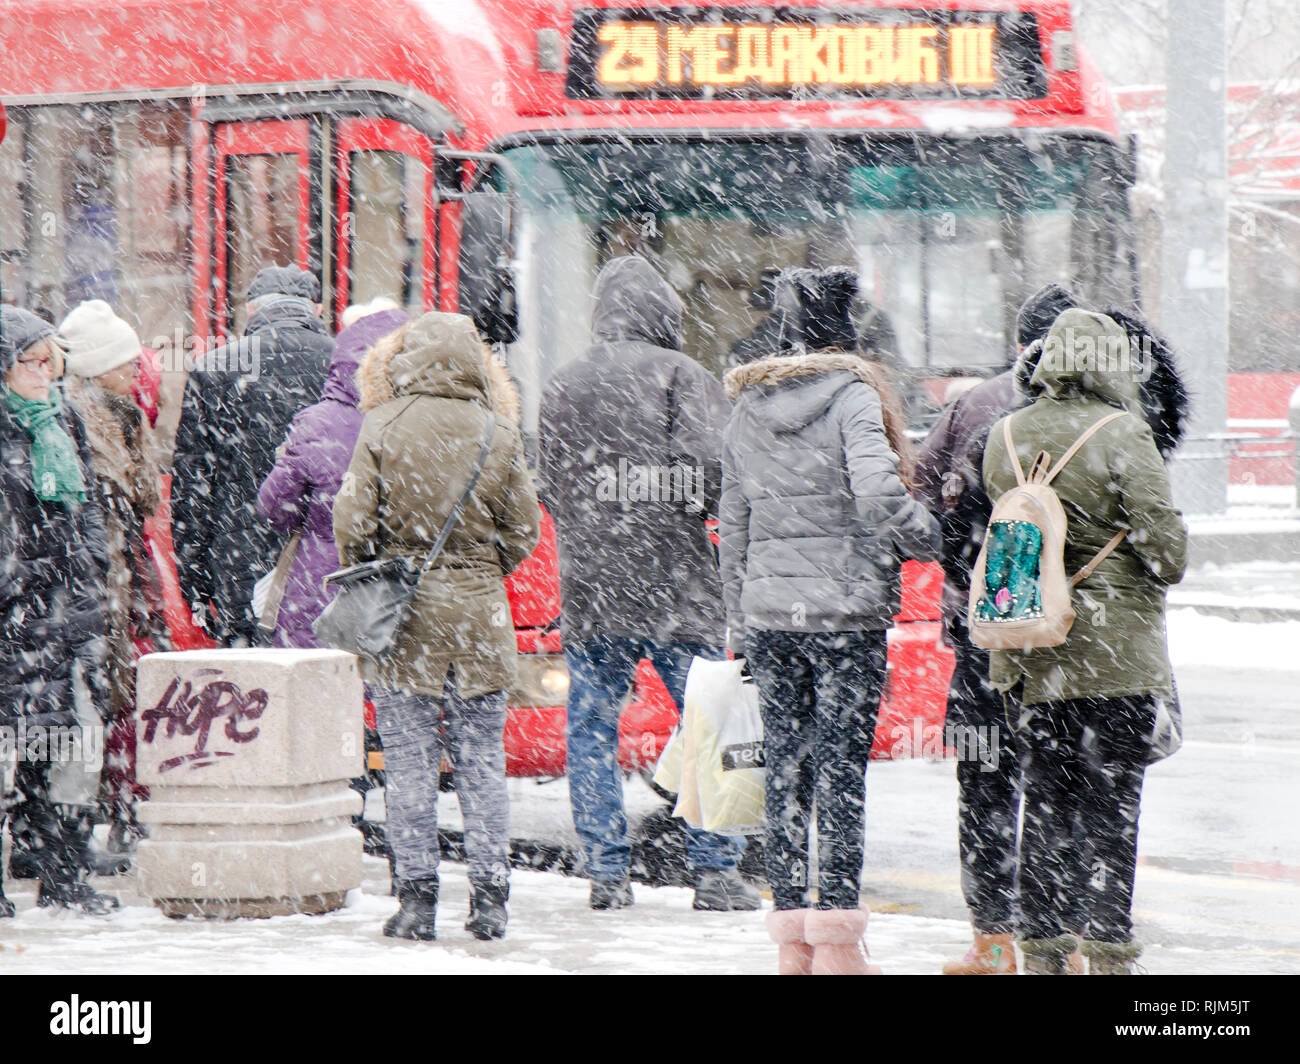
(613, 894)
(487, 911)
(6, 906)
(63, 863)
(76, 893)
(417, 916)
(725, 892)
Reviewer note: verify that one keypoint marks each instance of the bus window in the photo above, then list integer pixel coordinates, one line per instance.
(386, 248)
(97, 207)
(947, 235)
(262, 221)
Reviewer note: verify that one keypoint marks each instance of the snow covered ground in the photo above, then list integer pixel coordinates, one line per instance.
(1218, 889)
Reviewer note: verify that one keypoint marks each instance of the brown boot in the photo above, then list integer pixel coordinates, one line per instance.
(990, 955)
(786, 926)
(836, 936)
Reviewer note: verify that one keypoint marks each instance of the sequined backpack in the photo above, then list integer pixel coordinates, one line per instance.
(1019, 593)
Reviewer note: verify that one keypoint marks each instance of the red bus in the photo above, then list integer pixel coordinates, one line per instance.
(490, 156)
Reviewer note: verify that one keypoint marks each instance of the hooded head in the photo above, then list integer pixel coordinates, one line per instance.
(1087, 353)
(284, 281)
(634, 303)
(817, 306)
(436, 354)
(1039, 311)
(350, 347)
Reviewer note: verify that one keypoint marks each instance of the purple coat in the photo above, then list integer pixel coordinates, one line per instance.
(298, 495)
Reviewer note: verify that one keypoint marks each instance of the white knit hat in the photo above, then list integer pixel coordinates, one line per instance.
(96, 340)
(357, 311)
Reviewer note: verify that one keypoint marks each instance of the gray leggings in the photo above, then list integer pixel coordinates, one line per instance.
(413, 728)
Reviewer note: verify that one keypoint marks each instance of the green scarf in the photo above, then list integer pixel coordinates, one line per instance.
(56, 469)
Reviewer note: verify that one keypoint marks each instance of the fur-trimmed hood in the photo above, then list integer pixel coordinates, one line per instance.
(769, 371)
(438, 354)
(1163, 393)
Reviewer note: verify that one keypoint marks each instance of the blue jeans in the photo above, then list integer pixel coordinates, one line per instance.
(601, 672)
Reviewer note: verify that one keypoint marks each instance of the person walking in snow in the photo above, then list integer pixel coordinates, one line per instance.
(426, 390)
(236, 411)
(631, 438)
(298, 494)
(53, 650)
(949, 482)
(1084, 712)
(101, 353)
(815, 523)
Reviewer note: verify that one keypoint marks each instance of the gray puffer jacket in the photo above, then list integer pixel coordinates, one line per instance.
(815, 522)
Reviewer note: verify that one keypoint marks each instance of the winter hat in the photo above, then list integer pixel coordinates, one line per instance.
(357, 311)
(284, 281)
(20, 329)
(96, 340)
(1039, 311)
(818, 307)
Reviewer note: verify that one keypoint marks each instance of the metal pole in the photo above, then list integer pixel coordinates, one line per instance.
(1194, 248)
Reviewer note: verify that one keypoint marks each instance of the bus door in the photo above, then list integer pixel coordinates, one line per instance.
(385, 203)
(262, 208)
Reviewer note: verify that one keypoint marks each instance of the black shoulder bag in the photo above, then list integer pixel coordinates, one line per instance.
(374, 598)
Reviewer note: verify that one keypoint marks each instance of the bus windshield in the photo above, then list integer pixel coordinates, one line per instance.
(948, 235)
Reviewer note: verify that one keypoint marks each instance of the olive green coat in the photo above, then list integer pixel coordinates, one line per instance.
(1117, 645)
(426, 403)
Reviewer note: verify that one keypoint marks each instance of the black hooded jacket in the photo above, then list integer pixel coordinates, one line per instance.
(237, 410)
(630, 462)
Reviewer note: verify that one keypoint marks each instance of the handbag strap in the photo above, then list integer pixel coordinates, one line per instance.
(452, 518)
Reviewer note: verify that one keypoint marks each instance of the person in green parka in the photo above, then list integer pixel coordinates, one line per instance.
(1083, 713)
(426, 390)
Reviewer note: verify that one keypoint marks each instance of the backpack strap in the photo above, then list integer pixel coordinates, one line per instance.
(1074, 447)
(1011, 450)
(1098, 558)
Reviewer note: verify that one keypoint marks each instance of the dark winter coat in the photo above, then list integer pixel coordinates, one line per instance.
(232, 422)
(949, 480)
(1117, 644)
(426, 406)
(53, 565)
(298, 496)
(815, 522)
(631, 443)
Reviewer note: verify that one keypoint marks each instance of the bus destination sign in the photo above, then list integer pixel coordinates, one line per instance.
(804, 53)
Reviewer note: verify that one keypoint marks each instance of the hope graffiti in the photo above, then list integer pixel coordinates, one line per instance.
(190, 710)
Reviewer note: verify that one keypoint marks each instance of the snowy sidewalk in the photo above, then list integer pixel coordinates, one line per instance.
(552, 931)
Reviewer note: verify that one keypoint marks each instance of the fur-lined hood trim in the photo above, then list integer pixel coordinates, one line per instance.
(778, 368)
(437, 354)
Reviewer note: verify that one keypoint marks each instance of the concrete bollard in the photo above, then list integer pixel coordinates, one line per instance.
(247, 755)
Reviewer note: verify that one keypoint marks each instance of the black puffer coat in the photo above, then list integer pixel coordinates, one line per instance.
(631, 466)
(53, 564)
(238, 406)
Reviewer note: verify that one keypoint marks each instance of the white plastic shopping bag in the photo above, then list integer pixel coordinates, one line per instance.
(722, 777)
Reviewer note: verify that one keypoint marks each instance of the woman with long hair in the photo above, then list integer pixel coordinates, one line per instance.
(815, 523)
